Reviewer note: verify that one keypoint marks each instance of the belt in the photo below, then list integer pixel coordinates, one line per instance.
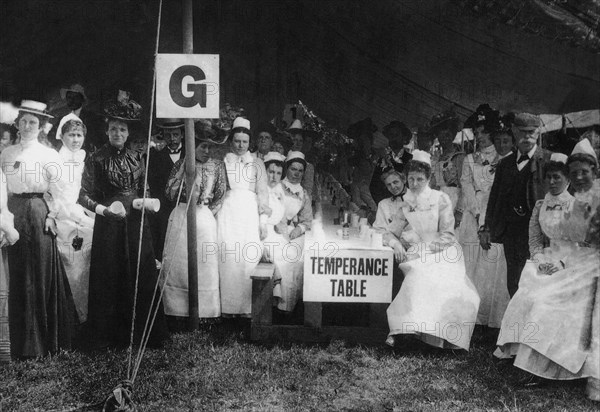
(29, 195)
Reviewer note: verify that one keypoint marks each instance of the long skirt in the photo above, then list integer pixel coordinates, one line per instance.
(4, 329)
(175, 264)
(487, 271)
(240, 250)
(288, 259)
(42, 312)
(437, 302)
(549, 323)
(76, 260)
(113, 280)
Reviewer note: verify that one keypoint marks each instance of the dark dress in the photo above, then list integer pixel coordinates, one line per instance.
(118, 175)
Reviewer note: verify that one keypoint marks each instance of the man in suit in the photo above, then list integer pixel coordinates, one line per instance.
(161, 164)
(518, 184)
(396, 156)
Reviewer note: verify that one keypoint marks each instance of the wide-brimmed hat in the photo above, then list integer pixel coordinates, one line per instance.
(123, 108)
(75, 88)
(32, 106)
(206, 132)
(295, 156)
(169, 123)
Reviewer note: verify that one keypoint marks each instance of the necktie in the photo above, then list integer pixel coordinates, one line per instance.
(523, 158)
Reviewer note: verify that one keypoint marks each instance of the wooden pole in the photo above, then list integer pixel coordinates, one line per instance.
(190, 174)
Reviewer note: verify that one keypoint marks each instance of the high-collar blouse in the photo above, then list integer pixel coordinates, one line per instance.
(110, 173)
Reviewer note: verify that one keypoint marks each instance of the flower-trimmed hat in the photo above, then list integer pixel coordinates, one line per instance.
(204, 131)
(123, 108)
(294, 156)
(34, 107)
(443, 121)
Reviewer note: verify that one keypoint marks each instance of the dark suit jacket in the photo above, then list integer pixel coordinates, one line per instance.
(498, 207)
(158, 172)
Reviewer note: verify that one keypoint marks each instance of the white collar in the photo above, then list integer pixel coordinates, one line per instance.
(410, 195)
(293, 187)
(529, 154)
(245, 158)
(66, 154)
(563, 196)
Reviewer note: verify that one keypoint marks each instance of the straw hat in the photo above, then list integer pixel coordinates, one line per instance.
(31, 106)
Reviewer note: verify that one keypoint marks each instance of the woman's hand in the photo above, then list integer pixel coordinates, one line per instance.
(113, 216)
(399, 252)
(297, 232)
(263, 232)
(9, 237)
(548, 268)
(50, 226)
(484, 239)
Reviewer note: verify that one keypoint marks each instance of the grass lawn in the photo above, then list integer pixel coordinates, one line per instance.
(217, 369)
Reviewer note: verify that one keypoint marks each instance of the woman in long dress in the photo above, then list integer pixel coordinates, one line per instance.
(8, 236)
(241, 223)
(210, 187)
(42, 313)
(437, 302)
(485, 267)
(75, 227)
(113, 178)
(551, 325)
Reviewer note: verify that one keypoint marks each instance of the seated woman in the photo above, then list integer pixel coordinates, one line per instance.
(208, 192)
(387, 210)
(437, 302)
(297, 220)
(74, 227)
(551, 324)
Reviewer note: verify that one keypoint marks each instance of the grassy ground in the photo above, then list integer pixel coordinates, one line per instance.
(218, 370)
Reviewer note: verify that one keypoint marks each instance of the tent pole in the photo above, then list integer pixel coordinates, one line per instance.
(190, 173)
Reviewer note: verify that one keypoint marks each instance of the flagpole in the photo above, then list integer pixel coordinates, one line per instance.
(190, 173)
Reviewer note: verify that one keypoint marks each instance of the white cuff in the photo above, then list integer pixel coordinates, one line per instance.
(100, 210)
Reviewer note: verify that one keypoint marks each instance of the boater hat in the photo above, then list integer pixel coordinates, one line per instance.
(169, 123)
(31, 106)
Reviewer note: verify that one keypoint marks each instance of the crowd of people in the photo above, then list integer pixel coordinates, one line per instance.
(486, 225)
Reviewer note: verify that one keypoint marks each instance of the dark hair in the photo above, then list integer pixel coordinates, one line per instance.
(239, 130)
(107, 121)
(498, 133)
(395, 124)
(6, 128)
(419, 167)
(72, 124)
(553, 166)
(277, 163)
(296, 160)
(43, 119)
(391, 171)
(584, 158)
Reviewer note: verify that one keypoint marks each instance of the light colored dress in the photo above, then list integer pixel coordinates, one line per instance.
(211, 185)
(437, 302)
(486, 268)
(552, 323)
(238, 231)
(72, 224)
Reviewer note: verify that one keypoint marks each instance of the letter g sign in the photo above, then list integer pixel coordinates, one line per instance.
(187, 86)
(177, 86)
